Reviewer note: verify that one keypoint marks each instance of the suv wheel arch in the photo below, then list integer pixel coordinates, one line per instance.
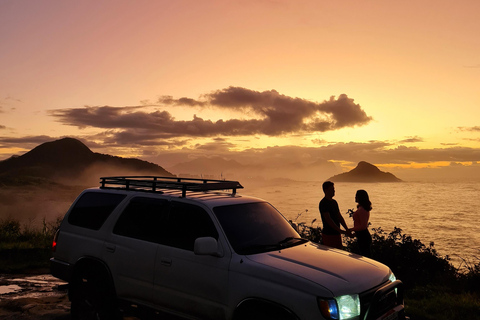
(92, 291)
(255, 308)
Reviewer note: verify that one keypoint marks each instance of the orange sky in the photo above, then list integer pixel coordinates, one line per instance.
(389, 82)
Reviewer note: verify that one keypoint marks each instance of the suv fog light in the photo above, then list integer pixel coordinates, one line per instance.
(328, 308)
(345, 307)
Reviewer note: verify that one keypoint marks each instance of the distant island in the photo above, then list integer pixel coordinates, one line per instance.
(365, 172)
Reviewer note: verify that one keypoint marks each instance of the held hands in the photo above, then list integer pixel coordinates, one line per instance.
(350, 233)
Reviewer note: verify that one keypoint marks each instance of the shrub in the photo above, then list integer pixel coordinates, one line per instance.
(415, 263)
(12, 235)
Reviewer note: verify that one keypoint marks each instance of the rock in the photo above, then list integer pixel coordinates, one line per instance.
(365, 172)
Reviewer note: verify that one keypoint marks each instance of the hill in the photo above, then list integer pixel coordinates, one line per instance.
(70, 161)
(365, 172)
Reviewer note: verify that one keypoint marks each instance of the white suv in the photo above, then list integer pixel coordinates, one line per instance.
(189, 248)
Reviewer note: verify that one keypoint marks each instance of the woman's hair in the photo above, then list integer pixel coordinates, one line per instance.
(363, 200)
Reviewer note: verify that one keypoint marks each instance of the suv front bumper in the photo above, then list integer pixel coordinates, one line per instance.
(387, 303)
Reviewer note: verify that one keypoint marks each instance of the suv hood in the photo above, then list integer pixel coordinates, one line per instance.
(338, 271)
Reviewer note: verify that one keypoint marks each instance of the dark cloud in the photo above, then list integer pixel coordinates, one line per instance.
(274, 114)
(26, 140)
(1, 126)
(378, 152)
(411, 140)
(303, 160)
(472, 129)
(27, 143)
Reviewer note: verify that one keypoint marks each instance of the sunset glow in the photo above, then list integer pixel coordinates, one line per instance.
(392, 83)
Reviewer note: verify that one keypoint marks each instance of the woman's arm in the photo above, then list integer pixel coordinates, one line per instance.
(360, 217)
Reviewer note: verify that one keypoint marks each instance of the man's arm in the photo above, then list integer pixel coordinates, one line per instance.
(342, 221)
(344, 224)
(328, 219)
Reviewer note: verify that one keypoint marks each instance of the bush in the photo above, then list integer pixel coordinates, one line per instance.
(411, 260)
(415, 263)
(24, 249)
(9, 230)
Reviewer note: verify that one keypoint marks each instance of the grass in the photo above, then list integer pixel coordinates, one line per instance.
(23, 249)
(430, 302)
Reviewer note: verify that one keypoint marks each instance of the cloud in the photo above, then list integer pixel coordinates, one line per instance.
(27, 142)
(27, 139)
(412, 140)
(9, 102)
(470, 129)
(274, 114)
(1, 126)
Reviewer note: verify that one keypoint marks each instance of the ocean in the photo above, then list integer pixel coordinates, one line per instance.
(443, 213)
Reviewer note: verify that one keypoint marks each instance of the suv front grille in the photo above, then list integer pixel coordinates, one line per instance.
(386, 300)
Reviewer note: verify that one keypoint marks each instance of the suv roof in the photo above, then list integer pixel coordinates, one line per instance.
(156, 184)
(215, 192)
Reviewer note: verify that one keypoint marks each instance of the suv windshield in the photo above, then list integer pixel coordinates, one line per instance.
(256, 227)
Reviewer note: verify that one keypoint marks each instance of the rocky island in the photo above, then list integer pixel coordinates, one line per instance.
(365, 172)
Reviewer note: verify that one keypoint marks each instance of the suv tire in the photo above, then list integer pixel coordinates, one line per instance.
(92, 296)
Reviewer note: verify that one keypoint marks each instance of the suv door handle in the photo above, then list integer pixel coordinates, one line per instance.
(110, 248)
(166, 261)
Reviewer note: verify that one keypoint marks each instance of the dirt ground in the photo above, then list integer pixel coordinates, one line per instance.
(36, 297)
(28, 297)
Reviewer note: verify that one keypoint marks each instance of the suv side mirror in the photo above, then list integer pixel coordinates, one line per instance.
(207, 246)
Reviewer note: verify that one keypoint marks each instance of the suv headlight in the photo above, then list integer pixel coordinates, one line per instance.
(340, 308)
(392, 277)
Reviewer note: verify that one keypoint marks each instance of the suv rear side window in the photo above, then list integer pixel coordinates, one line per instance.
(144, 218)
(93, 208)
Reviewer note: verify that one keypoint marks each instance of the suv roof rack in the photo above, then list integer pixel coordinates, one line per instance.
(154, 183)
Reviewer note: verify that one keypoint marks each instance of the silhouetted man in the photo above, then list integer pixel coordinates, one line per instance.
(331, 218)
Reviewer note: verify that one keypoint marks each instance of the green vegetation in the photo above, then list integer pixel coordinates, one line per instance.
(24, 249)
(435, 289)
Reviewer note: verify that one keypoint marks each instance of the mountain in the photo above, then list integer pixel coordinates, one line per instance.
(365, 172)
(69, 160)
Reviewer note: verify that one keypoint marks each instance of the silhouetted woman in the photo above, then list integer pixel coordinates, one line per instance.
(360, 222)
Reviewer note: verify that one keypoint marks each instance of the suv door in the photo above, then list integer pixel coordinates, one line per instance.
(131, 249)
(184, 281)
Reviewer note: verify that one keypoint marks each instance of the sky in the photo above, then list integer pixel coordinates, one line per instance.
(393, 83)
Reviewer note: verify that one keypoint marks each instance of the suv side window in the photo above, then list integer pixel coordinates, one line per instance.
(188, 222)
(93, 208)
(144, 219)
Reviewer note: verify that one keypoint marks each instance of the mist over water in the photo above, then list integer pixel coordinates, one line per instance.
(443, 213)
